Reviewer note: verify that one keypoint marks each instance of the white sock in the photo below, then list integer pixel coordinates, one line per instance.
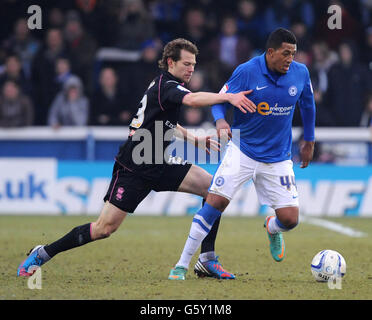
(207, 256)
(43, 254)
(193, 242)
(274, 227)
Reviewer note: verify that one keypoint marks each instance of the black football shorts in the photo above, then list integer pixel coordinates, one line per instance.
(127, 188)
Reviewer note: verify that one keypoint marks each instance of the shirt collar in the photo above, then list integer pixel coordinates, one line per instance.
(263, 64)
(172, 77)
(264, 69)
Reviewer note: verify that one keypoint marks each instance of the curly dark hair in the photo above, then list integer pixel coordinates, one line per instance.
(173, 50)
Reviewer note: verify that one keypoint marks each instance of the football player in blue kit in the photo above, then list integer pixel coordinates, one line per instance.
(262, 149)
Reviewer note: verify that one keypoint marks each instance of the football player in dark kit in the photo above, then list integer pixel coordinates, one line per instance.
(135, 175)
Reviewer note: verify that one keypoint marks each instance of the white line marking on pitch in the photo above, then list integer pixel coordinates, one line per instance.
(334, 226)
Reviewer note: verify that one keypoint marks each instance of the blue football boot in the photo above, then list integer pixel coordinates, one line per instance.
(277, 245)
(31, 263)
(212, 268)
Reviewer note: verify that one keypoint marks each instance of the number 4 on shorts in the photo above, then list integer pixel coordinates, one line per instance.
(287, 181)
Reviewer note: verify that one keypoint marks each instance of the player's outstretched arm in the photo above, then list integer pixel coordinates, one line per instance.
(204, 99)
(204, 142)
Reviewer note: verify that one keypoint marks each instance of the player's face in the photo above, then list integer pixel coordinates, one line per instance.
(183, 68)
(282, 57)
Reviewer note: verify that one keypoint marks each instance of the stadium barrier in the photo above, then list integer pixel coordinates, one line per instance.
(44, 171)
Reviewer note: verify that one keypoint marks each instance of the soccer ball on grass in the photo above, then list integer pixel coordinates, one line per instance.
(328, 264)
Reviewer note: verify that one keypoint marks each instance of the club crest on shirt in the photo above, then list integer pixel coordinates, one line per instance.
(292, 91)
(220, 181)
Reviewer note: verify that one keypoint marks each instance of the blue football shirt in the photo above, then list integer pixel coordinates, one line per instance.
(266, 135)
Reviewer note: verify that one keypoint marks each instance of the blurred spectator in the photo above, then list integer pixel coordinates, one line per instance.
(301, 10)
(97, 21)
(349, 82)
(135, 25)
(166, 15)
(63, 72)
(230, 47)
(195, 116)
(323, 60)
(108, 104)
(212, 17)
(250, 23)
(351, 28)
(135, 77)
(195, 28)
(13, 71)
(16, 109)
(43, 73)
(367, 50)
(81, 47)
(56, 18)
(365, 11)
(281, 13)
(227, 51)
(275, 15)
(366, 119)
(302, 56)
(301, 32)
(23, 44)
(148, 66)
(70, 107)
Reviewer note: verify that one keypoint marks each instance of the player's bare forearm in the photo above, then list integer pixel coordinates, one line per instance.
(184, 134)
(205, 142)
(306, 152)
(204, 99)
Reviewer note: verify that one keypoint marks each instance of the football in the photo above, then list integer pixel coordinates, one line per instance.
(327, 264)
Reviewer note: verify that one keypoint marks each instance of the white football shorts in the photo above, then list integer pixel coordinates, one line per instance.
(274, 182)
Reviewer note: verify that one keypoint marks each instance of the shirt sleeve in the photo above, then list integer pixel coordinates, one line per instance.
(172, 92)
(307, 108)
(237, 82)
(219, 110)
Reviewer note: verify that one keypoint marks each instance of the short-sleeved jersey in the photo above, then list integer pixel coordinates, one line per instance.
(154, 122)
(266, 135)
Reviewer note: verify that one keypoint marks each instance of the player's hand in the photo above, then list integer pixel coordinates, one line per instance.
(207, 143)
(306, 152)
(223, 130)
(240, 101)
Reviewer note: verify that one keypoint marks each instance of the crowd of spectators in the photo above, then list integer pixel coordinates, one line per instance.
(92, 60)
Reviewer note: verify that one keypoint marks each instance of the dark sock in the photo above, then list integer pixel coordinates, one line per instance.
(75, 238)
(208, 243)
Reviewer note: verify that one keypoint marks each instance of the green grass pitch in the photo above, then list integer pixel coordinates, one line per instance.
(134, 262)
